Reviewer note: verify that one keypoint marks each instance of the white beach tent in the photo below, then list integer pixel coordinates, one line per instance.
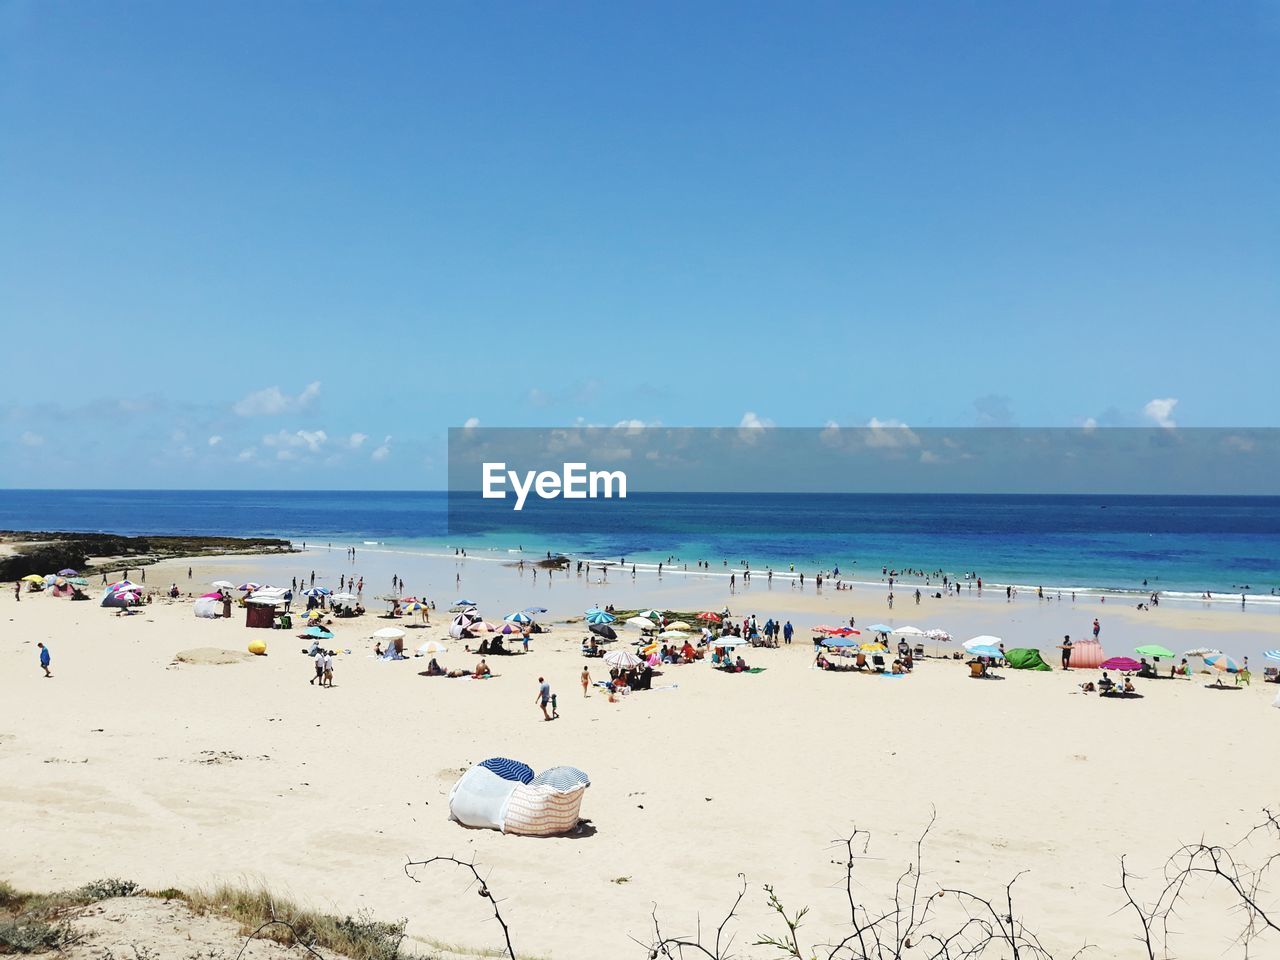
(209, 608)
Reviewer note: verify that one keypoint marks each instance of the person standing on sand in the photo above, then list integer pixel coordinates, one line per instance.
(1097, 628)
(45, 659)
(544, 697)
(319, 665)
(787, 631)
(586, 681)
(328, 670)
(1066, 652)
(17, 590)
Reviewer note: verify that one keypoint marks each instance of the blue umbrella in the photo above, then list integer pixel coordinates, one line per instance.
(1272, 654)
(316, 592)
(320, 633)
(839, 642)
(1220, 661)
(464, 603)
(880, 628)
(535, 609)
(599, 616)
(985, 651)
(518, 617)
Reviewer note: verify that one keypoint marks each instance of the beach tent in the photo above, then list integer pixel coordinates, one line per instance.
(1087, 655)
(502, 794)
(1024, 658)
(209, 608)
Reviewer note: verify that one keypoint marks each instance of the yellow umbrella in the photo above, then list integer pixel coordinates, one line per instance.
(873, 648)
(33, 578)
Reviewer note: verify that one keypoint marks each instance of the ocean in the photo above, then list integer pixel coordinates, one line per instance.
(1179, 545)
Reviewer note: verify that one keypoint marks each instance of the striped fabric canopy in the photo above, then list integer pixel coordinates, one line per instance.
(1272, 654)
(561, 778)
(509, 769)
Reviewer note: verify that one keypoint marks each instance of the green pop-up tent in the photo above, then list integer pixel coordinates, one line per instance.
(1024, 658)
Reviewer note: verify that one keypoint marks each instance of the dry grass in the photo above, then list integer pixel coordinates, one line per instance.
(33, 923)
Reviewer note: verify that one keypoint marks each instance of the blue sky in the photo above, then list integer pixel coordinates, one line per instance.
(290, 244)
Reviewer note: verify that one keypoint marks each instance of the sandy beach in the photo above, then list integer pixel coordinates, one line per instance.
(130, 762)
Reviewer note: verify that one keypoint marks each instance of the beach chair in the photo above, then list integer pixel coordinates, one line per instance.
(976, 669)
(1271, 674)
(1243, 677)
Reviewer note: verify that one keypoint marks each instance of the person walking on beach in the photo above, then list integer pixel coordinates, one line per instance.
(1097, 628)
(319, 665)
(17, 590)
(328, 670)
(544, 697)
(787, 631)
(586, 681)
(45, 659)
(1066, 652)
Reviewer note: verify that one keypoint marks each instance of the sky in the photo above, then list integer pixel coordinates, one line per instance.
(289, 245)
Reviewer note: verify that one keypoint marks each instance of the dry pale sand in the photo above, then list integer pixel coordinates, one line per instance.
(132, 763)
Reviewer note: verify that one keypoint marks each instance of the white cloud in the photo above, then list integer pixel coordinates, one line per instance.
(356, 440)
(30, 439)
(215, 440)
(1160, 412)
(271, 401)
(890, 433)
(928, 456)
(383, 451)
(751, 427)
(313, 440)
(472, 423)
(247, 454)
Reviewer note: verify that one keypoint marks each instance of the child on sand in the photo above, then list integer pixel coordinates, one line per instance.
(45, 659)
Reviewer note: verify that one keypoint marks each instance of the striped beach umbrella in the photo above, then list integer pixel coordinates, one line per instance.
(518, 617)
(621, 659)
(599, 616)
(1220, 661)
(1272, 654)
(1123, 664)
(561, 778)
(509, 769)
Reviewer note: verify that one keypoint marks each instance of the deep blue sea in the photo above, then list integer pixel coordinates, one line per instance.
(1176, 544)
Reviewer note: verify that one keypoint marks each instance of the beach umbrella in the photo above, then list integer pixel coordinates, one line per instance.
(68, 572)
(909, 632)
(1122, 664)
(535, 609)
(644, 623)
(603, 630)
(1153, 650)
(216, 595)
(597, 617)
(729, 642)
(677, 625)
(671, 635)
(1272, 654)
(653, 615)
(982, 641)
(880, 628)
(621, 659)
(873, 648)
(223, 585)
(464, 603)
(937, 634)
(1201, 652)
(344, 598)
(249, 586)
(1220, 661)
(518, 617)
(981, 650)
(315, 592)
(78, 582)
(388, 633)
(839, 642)
(433, 646)
(709, 617)
(320, 633)
(481, 626)
(823, 628)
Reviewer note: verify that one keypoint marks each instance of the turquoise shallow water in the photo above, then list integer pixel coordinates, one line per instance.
(1177, 544)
